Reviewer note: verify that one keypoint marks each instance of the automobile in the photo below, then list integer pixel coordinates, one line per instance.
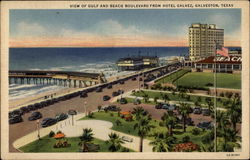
(111, 108)
(205, 125)
(206, 112)
(24, 109)
(121, 82)
(109, 86)
(99, 89)
(35, 116)
(48, 122)
(134, 79)
(158, 106)
(140, 79)
(120, 91)
(31, 107)
(72, 112)
(171, 107)
(188, 121)
(106, 98)
(137, 101)
(165, 106)
(127, 139)
(15, 119)
(197, 110)
(83, 95)
(17, 112)
(62, 116)
(123, 101)
(115, 94)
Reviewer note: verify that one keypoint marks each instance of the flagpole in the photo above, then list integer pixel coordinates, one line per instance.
(215, 100)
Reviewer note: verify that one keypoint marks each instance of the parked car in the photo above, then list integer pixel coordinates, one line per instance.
(171, 107)
(205, 125)
(121, 82)
(127, 139)
(109, 86)
(62, 116)
(24, 109)
(140, 79)
(165, 106)
(106, 98)
(35, 116)
(72, 112)
(15, 119)
(206, 112)
(158, 106)
(83, 95)
(111, 108)
(120, 91)
(197, 110)
(123, 101)
(137, 101)
(134, 79)
(115, 94)
(99, 89)
(48, 122)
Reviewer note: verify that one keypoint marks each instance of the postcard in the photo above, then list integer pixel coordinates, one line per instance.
(125, 80)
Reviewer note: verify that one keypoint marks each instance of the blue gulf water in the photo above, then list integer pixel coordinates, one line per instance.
(72, 58)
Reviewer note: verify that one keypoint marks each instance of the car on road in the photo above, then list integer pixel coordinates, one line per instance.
(62, 116)
(15, 119)
(115, 94)
(72, 112)
(197, 110)
(158, 106)
(205, 125)
(127, 139)
(121, 82)
(165, 106)
(206, 112)
(123, 101)
(111, 108)
(35, 116)
(48, 122)
(109, 86)
(99, 89)
(106, 98)
(83, 95)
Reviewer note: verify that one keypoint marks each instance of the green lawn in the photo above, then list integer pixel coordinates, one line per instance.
(175, 97)
(172, 77)
(200, 79)
(46, 145)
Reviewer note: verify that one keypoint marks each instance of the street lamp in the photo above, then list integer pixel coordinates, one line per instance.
(38, 129)
(85, 106)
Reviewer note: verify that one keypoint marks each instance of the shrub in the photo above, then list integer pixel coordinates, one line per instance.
(58, 132)
(185, 139)
(222, 94)
(111, 114)
(196, 131)
(125, 150)
(51, 134)
(209, 84)
(99, 108)
(118, 122)
(91, 115)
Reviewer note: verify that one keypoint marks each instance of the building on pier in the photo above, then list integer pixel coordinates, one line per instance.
(137, 63)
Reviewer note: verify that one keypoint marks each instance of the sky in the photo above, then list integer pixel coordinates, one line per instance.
(117, 28)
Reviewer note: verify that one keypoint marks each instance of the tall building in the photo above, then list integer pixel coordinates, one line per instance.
(202, 38)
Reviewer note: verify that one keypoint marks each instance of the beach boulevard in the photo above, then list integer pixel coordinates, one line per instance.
(93, 100)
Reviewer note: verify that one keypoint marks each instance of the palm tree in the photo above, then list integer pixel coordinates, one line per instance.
(234, 112)
(165, 97)
(86, 137)
(145, 97)
(144, 127)
(169, 120)
(184, 110)
(162, 142)
(138, 112)
(115, 142)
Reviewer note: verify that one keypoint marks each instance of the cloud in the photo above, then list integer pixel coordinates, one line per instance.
(25, 29)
